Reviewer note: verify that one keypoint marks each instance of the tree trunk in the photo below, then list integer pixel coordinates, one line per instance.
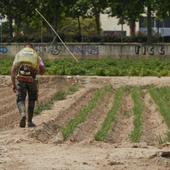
(97, 19)
(79, 25)
(98, 23)
(132, 27)
(55, 19)
(10, 26)
(18, 24)
(149, 25)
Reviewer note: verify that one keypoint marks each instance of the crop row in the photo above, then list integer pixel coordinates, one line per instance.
(160, 96)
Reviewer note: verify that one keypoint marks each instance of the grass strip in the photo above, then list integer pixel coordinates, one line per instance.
(165, 94)
(111, 115)
(138, 118)
(160, 97)
(60, 95)
(47, 105)
(81, 116)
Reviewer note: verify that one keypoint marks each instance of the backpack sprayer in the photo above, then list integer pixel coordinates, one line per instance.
(56, 34)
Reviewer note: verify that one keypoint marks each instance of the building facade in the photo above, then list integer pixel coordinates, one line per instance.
(110, 26)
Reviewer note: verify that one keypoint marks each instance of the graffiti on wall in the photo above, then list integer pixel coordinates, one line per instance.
(94, 50)
(150, 49)
(3, 49)
(47, 49)
(54, 50)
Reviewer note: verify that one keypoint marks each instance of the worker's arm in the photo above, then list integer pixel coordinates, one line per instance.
(41, 70)
(14, 87)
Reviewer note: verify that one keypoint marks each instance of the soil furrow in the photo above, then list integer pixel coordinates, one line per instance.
(45, 94)
(79, 104)
(123, 125)
(8, 107)
(87, 129)
(48, 129)
(7, 99)
(4, 91)
(9, 120)
(154, 127)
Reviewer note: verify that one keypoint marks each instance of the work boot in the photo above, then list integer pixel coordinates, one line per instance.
(23, 122)
(31, 124)
(31, 105)
(21, 107)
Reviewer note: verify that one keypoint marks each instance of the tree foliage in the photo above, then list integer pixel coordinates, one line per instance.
(23, 18)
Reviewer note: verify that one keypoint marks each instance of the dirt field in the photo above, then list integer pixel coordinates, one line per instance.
(43, 148)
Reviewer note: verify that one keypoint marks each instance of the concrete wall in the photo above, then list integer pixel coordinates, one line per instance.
(93, 51)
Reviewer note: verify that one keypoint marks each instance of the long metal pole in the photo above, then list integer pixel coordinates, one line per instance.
(56, 34)
(41, 31)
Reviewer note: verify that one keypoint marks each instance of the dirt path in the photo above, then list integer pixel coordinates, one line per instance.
(43, 148)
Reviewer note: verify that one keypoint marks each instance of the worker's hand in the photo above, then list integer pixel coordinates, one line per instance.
(14, 88)
(41, 70)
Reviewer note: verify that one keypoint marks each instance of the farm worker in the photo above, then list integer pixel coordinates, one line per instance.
(26, 65)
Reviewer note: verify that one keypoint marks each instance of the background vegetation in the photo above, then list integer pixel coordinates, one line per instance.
(77, 20)
(101, 67)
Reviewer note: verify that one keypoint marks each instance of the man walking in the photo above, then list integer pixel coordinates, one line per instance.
(27, 64)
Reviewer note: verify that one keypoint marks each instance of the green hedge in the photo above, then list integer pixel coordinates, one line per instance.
(49, 37)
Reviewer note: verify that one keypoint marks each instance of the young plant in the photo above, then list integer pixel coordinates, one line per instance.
(138, 118)
(111, 116)
(72, 90)
(81, 116)
(47, 105)
(161, 98)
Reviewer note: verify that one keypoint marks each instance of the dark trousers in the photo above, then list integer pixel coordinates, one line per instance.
(24, 89)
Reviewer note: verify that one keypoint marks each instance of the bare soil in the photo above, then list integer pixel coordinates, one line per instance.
(43, 147)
